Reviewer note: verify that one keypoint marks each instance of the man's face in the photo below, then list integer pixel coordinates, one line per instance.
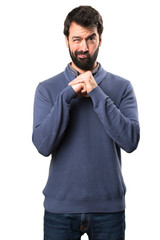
(83, 44)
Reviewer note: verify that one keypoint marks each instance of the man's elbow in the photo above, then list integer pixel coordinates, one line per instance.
(133, 144)
(41, 147)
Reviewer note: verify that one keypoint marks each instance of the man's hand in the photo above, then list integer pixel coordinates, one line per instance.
(79, 88)
(83, 84)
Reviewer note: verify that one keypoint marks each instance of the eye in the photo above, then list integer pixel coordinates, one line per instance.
(92, 38)
(76, 40)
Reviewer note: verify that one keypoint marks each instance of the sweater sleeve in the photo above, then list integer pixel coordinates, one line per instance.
(121, 123)
(50, 120)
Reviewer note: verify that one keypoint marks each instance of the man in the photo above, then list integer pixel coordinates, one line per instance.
(83, 117)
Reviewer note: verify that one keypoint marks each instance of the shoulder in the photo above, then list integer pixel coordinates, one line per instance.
(51, 87)
(57, 79)
(115, 86)
(108, 78)
(115, 82)
(55, 84)
(116, 79)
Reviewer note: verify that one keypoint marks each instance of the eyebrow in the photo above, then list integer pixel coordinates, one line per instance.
(78, 37)
(92, 35)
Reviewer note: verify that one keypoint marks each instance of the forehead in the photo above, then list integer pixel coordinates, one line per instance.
(77, 30)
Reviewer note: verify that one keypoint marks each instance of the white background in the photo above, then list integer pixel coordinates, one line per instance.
(32, 49)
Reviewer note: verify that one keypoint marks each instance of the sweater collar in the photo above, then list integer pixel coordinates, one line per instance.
(98, 76)
(76, 73)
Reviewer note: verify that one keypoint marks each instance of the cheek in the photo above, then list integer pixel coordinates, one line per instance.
(74, 47)
(93, 48)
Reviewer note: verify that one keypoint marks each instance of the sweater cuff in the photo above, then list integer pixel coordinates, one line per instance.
(68, 94)
(97, 95)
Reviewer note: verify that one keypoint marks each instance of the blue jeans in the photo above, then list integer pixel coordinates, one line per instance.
(71, 226)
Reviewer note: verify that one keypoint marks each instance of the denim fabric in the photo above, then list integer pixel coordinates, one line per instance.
(98, 226)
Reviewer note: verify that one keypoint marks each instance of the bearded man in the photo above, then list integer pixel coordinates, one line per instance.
(82, 118)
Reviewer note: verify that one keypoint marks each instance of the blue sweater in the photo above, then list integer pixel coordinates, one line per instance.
(84, 137)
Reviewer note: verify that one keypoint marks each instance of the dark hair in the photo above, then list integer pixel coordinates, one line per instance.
(85, 16)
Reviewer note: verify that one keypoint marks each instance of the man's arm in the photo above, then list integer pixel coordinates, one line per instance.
(50, 121)
(121, 124)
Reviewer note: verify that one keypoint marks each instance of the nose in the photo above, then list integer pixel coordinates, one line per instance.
(84, 46)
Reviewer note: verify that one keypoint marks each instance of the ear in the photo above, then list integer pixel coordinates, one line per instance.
(67, 43)
(100, 40)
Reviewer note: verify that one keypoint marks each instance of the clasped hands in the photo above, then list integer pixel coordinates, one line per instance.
(83, 84)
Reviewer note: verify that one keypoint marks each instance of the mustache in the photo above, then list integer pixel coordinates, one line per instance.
(82, 53)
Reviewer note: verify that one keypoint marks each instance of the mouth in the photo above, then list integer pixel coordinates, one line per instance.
(82, 56)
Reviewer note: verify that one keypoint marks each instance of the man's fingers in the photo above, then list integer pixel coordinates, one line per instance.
(83, 92)
(81, 78)
(76, 81)
(86, 80)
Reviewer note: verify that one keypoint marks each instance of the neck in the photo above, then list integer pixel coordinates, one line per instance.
(81, 70)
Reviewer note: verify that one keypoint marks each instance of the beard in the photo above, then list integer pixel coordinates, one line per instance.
(86, 63)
